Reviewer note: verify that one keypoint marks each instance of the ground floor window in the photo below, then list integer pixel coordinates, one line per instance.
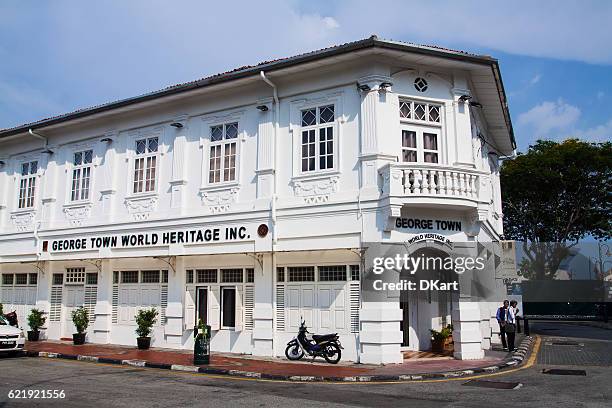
(228, 307)
(139, 289)
(18, 293)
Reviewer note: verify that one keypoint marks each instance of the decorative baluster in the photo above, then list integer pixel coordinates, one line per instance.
(406, 181)
(464, 184)
(476, 185)
(433, 186)
(425, 181)
(417, 181)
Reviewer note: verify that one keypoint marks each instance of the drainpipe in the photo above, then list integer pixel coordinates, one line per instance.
(276, 125)
(41, 137)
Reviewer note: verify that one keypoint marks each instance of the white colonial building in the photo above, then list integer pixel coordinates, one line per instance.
(245, 199)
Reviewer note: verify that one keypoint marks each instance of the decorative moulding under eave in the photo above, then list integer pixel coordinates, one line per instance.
(219, 199)
(141, 207)
(317, 189)
(77, 213)
(23, 220)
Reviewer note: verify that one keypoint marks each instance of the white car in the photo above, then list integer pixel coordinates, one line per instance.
(12, 338)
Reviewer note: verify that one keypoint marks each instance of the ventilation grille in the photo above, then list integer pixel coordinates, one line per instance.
(354, 303)
(115, 303)
(164, 304)
(91, 297)
(55, 310)
(280, 307)
(248, 307)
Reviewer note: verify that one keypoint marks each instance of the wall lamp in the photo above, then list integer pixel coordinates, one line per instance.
(385, 85)
(177, 125)
(2, 163)
(106, 140)
(263, 108)
(464, 98)
(476, 104)
(48, 151)
(364, 87)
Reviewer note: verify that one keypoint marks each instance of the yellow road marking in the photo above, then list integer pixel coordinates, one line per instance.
(530, 363)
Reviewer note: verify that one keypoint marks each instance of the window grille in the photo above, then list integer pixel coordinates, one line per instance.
(332, 273)
(189, 276)
(58, 278)
(301, 273)
(354, 272)
(129, 276)
(420, 111)
(231, 275)
(21, 279)
(164, 276)
(91, 279)
(317, 143)
(33, 279)
(206, 275)
(115, 277)
(7, 279)
(75, 276)
(250, 275)
(150, 276)
(280, 274)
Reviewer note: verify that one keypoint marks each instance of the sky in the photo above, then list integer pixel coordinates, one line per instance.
(58, 56)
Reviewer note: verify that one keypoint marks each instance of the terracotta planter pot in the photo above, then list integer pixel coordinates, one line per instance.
(143, 343)
(437, 346)
(33, 335)
(78, 338)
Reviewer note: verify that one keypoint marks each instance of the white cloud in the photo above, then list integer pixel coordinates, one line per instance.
(599, 133)
(330, 22)
(550, 116)
(535, 79)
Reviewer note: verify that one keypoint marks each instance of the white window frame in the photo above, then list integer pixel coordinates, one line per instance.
(131, 157)
(81, 169)
(140, 285)
(316, 130)
(428, 104)
(420, 142)
(222, 144)
(24, 183)
(296, 108)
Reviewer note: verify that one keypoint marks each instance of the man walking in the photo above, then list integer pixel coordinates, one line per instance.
(510, 326)
(501, 320)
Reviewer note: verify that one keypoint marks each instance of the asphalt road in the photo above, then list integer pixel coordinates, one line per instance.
(95, 385)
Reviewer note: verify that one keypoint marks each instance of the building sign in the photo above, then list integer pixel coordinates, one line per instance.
(440, 239)
(428, 224)
(188, 236)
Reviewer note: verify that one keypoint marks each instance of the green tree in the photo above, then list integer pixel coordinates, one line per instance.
(554, 195)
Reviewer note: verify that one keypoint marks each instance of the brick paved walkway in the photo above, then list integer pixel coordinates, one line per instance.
(274, 366)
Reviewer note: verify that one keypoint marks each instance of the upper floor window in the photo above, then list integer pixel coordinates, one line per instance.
(27, 184)
(222, 160)
(81, 175)
(145, 165)
(419, 111)
(317, 147)
(420, 145)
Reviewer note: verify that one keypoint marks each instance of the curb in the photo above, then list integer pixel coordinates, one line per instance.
(516, 360)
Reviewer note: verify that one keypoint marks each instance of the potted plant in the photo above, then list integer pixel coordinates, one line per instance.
(145, 319)
(440, 339)
(36, 320)
(80, 318)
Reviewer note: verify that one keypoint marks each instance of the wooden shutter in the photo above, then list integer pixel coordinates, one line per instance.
(214, 315)
(190, 311)
(239, 325)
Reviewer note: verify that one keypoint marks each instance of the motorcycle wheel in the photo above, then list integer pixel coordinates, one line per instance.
(332, 353)
(294, 352)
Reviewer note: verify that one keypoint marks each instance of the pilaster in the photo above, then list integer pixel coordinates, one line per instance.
(263, 313)
(265, 149)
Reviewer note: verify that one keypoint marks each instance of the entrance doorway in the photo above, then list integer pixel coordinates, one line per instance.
(202, 305)
(74, 297)
(410, 322)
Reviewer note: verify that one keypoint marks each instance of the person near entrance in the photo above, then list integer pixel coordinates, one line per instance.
(511, 324)
(501, 320)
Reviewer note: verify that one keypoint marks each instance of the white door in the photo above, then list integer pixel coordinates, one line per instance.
(74, 297)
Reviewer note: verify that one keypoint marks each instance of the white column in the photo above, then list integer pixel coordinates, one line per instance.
(467, 335)
(263, 313)
(179, 164)
(49, 187)
(109, 175)
(104, 305)
(265, 150)
(380, 336)
(174, 311)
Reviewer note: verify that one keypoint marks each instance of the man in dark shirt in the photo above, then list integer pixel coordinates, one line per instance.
(501, 320)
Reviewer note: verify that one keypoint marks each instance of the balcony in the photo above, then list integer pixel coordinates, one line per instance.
(432, 185)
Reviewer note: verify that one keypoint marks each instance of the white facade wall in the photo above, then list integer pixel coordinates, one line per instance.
(315, 219)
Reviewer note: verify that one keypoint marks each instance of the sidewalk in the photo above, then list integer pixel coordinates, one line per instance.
(277, 368)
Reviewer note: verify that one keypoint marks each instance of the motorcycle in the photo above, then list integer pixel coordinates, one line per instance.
(12, 318)
(327, 346)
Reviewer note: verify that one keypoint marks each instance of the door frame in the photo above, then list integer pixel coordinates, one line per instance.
(206, 289)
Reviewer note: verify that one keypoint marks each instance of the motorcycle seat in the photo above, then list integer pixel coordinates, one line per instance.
(323, 337)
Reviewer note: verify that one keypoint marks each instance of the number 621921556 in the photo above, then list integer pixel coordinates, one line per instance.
(36, 394)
